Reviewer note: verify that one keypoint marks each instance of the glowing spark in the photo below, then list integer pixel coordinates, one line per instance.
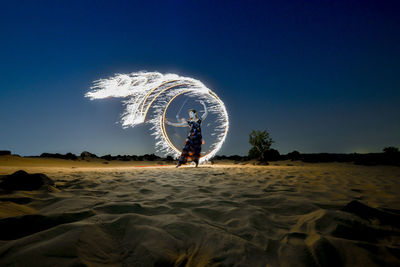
(146, 90)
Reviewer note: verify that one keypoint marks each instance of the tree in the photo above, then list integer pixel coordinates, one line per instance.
(261, 142)
(391, 150)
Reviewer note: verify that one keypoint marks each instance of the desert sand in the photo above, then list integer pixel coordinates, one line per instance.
(152, 214)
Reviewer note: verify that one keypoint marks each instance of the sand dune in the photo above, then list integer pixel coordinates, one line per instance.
(287, 214)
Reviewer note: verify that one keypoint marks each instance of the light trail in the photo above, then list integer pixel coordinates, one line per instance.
(145, 90)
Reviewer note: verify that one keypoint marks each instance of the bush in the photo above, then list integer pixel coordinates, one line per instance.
(390, 150)
(107, 157)
(272, 155)
(59, 156)
(294, 155)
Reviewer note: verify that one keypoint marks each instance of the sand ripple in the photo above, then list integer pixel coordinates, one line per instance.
(312, 215)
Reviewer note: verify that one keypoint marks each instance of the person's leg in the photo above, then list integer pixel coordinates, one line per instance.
(197, 150)
(184, 155)
(182, 159)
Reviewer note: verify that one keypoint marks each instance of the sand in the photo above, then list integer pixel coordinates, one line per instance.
(144, 214)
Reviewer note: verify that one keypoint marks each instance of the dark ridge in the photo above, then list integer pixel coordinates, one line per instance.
(21, 180)
(16, 227)
(353, 230)
(366, 212)
(18, 200)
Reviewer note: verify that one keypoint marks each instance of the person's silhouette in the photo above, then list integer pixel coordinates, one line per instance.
(192, 148)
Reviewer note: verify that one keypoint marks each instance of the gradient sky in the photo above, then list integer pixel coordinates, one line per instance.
(320, 76)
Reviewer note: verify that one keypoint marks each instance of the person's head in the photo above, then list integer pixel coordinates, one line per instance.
(193, 114)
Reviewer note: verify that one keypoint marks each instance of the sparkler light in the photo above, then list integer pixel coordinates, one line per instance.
(145, 90)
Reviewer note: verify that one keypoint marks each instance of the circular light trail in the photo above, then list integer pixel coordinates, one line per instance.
(145, 90)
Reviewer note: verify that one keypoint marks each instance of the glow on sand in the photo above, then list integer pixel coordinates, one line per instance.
(145, 90)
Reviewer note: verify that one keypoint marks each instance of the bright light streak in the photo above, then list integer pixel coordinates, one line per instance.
(145, 90)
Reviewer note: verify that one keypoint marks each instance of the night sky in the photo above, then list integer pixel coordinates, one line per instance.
(320, 76)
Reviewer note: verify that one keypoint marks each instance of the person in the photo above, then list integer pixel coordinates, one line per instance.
(192, 148)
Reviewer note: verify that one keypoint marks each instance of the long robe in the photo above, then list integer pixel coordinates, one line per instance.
(191, 150)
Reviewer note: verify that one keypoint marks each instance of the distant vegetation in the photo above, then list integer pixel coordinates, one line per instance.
(390, 150)
(59, 156)
(369, 159)
(87, 156)
(389, 156)
(5, 152)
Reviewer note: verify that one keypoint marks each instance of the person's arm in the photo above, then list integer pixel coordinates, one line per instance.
(205, 110)
(176, 124)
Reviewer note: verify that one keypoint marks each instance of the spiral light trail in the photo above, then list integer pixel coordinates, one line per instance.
(148, 96)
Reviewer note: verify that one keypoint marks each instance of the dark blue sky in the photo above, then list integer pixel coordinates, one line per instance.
(320, 76)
